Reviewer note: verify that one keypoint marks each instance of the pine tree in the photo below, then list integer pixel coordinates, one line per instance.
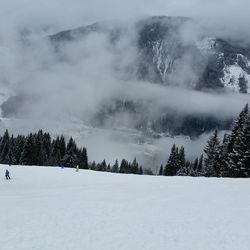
(211, 160)
(4, 147)
(183, 167)
(124, 166)
(134, 167)
(70, 158)
(195, 167)
(172, 165)
(200, 166)
(19, 146)
(246, 160)
(27, 154)
(161, 170)
(115, 167)
(108, 168)
(93, 166)
(62, 146)
(55, 158)
(182, 159)
(223, 155)
(102, 166)
(83, 159)
(11, 156)
(140, 172)
(237, 146)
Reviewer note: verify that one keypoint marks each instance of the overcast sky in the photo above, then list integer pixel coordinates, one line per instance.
(227, 16)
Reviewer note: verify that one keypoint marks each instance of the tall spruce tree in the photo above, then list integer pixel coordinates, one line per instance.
(183, 167)
(237, 146)
(200, 166)
(83, 159)
(27, 154)
(5, 147)
(246, 160)
(161, 170)
(134, 167)
(212, 150)
(124, 167)
(172, 165)
(115, 167)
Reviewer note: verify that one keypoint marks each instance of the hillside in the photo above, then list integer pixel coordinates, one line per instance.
(52, 208)
(174, 51)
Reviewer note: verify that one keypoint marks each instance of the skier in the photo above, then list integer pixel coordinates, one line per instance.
(7, 174)
(77, 168)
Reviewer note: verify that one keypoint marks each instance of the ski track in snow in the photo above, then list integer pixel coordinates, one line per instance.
(45, 208)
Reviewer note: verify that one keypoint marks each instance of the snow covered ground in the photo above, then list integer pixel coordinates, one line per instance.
(51, 208)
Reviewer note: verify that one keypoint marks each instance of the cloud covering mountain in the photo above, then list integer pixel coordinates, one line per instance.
(65, 92)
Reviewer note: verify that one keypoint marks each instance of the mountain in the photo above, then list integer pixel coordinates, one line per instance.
(175, 51)
(166, 51)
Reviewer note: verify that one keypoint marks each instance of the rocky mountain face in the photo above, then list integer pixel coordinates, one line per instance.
(175, 51)
(171, 51)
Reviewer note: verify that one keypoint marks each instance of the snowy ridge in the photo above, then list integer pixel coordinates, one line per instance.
(162, 57)
(206, 45)
(233, 74)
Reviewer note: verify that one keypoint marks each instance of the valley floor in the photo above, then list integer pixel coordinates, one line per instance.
(46, 208)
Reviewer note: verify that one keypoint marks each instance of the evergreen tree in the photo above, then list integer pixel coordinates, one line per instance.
(223, 157)
(11, 156)
(182, 159)
(237, 146)
(124, 166)
(211, 160)
(108, 168)
(134, 167)
(102, 166)
(172, 166)
(161, 170)
(115, 167)
(55, 158)
(62, 146)
(183, 167)
(93, 166)
(19, 146)
(27, 154)
(4, 147)
(195, 167)
(140, 172)
(200, 166)
(83, 159)
(246, 159)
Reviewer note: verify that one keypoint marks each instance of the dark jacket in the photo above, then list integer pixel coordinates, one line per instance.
(7, 173)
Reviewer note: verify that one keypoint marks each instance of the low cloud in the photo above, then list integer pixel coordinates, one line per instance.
(64, 94)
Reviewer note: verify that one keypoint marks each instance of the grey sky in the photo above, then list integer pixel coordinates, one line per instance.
(226, 16)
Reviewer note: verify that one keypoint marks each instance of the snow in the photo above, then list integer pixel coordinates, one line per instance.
(162, 57)
(206, 44)
(232, 74)
(46, 208)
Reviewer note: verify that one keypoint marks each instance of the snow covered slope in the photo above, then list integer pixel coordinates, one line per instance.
(52, 208)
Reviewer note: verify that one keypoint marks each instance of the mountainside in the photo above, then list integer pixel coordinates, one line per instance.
(153, 78)
(167, 55)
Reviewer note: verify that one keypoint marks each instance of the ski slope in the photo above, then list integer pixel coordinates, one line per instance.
(46, 208)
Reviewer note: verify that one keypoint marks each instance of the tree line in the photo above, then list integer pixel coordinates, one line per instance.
(39, 149)
(227, 158)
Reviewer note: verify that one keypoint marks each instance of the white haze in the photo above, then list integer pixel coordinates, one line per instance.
(63, 96)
